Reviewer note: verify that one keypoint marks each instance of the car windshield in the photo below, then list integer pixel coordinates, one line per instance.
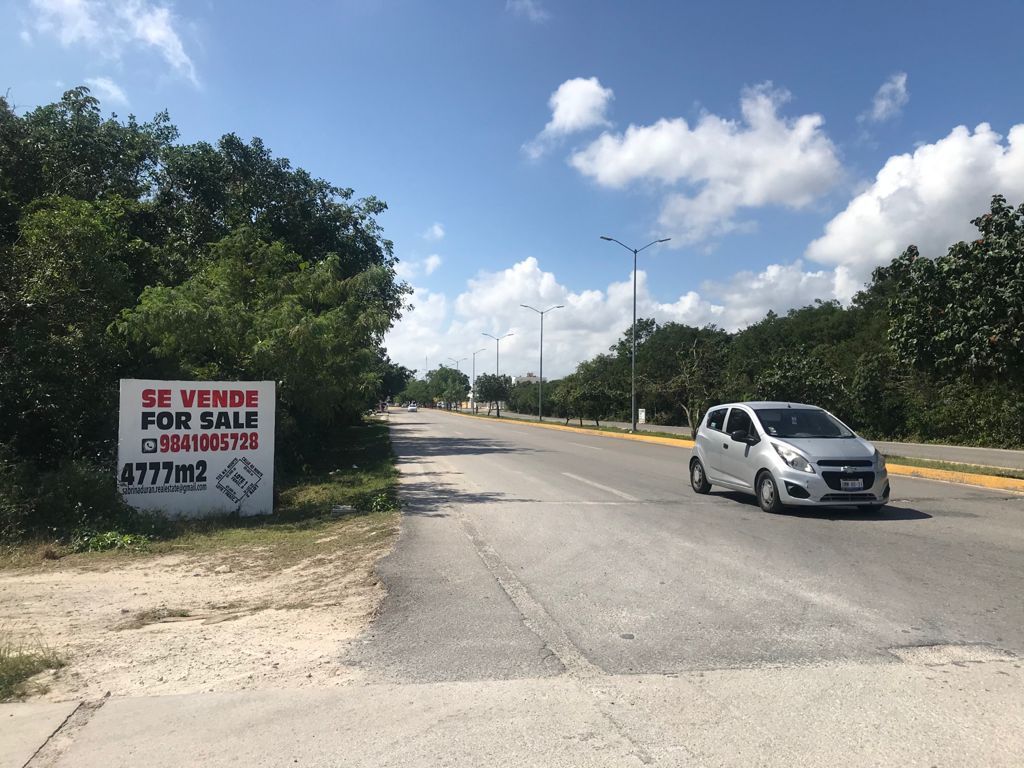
(800, 422)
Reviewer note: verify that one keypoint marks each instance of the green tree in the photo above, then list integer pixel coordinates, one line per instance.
(448, 385)
(265, 313)
(964, 312)
(493, 389)
(416, 391)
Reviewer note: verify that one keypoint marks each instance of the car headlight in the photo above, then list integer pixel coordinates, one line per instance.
(793, 459)
(879, 459)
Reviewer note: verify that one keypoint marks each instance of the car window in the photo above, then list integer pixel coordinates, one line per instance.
(800, 422)
(716, 418)
(739, 419)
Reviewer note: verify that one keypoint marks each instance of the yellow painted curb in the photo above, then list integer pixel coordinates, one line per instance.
(925, 473)
(964, 478)
(674, 442)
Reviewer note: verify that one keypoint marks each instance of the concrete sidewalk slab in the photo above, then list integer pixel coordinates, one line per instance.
(514, 723)
(24, 728)
(962, 713)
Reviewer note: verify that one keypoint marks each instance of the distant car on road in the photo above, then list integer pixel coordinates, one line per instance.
(413, 408)
(787, 454)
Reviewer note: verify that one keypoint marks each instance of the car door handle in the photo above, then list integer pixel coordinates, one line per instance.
(726, 446)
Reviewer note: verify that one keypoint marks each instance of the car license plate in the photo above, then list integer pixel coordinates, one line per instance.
(852, 485)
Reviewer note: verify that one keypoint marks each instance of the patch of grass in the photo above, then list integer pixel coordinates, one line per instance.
(974, 469)
(19, 663)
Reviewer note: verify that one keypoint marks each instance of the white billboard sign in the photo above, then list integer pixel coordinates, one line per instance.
(197, 448)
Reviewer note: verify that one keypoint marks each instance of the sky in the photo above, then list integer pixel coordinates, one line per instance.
(787, 149)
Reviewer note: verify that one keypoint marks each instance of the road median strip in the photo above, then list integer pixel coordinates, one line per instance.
(991, 481)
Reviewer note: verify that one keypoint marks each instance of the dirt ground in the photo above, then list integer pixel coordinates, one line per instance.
(254, 619)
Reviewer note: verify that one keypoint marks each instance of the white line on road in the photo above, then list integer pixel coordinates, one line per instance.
(581, 445)
(614, 491)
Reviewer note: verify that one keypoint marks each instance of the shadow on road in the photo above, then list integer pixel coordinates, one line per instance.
(432, 497)
(888, 513)
(408, 444)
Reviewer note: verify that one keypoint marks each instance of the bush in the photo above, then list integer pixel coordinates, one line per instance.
(77, 503)
(85, 540)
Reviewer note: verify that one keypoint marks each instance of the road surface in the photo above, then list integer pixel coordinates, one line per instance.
(561, 599)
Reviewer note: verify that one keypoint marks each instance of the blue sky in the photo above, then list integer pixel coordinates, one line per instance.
(787, 148)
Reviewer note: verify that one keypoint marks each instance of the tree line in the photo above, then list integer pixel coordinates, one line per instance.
(931, 349)
(125, 254)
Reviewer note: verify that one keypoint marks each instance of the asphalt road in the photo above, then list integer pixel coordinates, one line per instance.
(528, 552)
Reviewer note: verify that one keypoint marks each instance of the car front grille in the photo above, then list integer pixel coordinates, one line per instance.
(844, 463)
(850, 497)
(832, 478)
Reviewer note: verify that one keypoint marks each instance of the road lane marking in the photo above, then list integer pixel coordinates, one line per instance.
(604, 488)
(581, 445)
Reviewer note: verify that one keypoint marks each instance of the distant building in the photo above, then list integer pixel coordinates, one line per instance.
(530, 378)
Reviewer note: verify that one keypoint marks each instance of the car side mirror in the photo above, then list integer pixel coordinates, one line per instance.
(742, 436)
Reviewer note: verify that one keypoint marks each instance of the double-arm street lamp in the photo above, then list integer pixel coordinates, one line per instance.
(497, 359)
(540, 383)
(634, 251)
(457, 362)
(472, 384)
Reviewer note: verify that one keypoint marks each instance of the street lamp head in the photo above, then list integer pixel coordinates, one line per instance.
(605, 237)
(664, 240)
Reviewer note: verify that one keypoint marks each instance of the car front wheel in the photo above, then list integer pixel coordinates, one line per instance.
(768, 493)
(698, 478)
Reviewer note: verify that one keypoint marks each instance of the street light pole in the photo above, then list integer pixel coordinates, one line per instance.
(634, 251)
(472, 385)
(540, 384)
(497, 362)
(457, 361)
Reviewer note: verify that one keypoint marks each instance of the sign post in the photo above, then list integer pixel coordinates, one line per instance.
(641, 416)
(197, 448)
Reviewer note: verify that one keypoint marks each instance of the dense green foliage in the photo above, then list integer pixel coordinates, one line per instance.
(932, 349)
(126, 255)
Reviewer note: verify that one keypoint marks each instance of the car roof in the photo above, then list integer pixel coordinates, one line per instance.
(768, 404)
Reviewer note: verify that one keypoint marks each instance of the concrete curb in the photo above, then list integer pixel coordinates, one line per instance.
(993, 482)
(1012, 484)
(673, 441)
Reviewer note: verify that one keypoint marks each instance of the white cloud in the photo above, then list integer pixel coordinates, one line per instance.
(591, 321)
(723, 165)
(107, 90)
(529, 9)
(408, 269)
(576, 105)
(890, 98)
(434, 232)
(26, 37)
(431, 263)
(110, 26)
(926, 198)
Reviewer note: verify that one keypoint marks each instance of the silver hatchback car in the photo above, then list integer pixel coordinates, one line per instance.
(787, 454)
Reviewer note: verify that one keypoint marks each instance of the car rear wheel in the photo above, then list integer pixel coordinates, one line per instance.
(698, 478)
(768, 493)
